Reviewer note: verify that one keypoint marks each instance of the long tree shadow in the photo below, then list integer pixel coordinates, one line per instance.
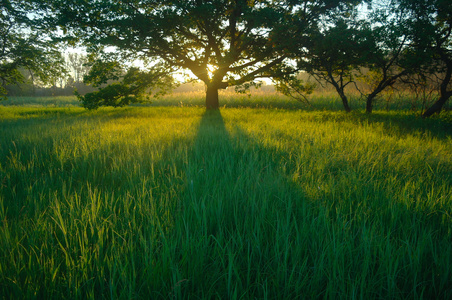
(211, 172)
(228, 179)
(245, 222)
(236, 215)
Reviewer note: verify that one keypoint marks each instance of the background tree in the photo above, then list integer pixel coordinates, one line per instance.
(24, 45)
(222, 43)
(430, 23)
(351, 45)
(336, 52)
(77, 65)
(387, 50)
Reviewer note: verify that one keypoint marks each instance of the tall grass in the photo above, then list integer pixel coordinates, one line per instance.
(170, 202)
(56, 101)
(320, 100)
(324, 100)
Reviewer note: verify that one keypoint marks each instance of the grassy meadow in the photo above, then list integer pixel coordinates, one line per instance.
(249, 202)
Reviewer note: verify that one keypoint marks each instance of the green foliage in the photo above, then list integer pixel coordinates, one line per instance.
(9, 75)
(222, 43)
(295, 88)
(25, 45)
(339, 49)
(101, 71)
(133, 87)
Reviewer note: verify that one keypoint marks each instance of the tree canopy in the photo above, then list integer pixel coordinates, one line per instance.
(222, 43)
(136, 46)
(430, 24)
(24, 44)
(336, 53)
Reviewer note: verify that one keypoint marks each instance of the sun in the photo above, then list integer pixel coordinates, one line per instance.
(211, 70)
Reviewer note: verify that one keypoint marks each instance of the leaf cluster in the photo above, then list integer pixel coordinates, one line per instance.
(296, 88)
(119, 88)
(243, 40)
(24, 45)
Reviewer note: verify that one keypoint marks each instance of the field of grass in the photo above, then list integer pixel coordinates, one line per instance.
(59, 101)
(267, 203)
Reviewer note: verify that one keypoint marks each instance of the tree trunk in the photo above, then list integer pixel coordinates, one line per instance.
(445, 94)
(370, 103)
(345, 101)
(383, 84)
(340, 91)
(212, 97)
(436, 107)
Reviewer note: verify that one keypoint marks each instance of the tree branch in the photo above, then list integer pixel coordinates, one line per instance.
(255, 74)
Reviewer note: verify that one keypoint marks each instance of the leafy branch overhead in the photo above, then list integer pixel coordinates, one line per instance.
(25, 45)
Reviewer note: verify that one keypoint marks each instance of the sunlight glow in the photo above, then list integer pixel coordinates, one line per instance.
(211, 70)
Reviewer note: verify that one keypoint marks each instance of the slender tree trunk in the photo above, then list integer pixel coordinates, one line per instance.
(340, 91)
(212, 97)
(383, 84)
(345, 101)
(436, 107)
(370, 103)
(371, 97)
(445, 94)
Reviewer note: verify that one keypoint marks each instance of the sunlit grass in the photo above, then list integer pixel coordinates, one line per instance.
(174, 202)
(320, 100)
(56, 101)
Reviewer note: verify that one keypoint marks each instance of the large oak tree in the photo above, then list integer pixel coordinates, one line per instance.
(222, 42)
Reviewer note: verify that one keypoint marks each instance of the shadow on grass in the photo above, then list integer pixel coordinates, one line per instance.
(230, 172)
(399, 124)
(244, 222)
(235, 209)
(405, 124)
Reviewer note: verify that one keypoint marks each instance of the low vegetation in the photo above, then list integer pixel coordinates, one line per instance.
(180, 202)
(323, 99)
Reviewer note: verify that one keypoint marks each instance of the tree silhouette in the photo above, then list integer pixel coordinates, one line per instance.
(222, 43)
(431, 31)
